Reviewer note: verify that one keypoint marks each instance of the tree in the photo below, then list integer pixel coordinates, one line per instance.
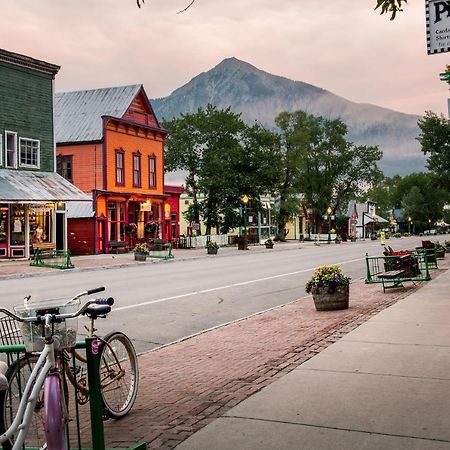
(321, 165)
(225, 159)
(435, 141)
(390, 6)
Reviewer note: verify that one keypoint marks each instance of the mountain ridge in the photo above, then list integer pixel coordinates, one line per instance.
(260, 96)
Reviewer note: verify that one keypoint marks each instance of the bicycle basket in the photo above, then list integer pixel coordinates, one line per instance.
(65, 333)
(10, 333)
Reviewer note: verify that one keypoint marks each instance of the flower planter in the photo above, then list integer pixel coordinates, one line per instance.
(269, 245)
(140, 257)
(212, 251)
(326, 300)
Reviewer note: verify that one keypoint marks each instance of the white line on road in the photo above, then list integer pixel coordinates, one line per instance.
(218, 288)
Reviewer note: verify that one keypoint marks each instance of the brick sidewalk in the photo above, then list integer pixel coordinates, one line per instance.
(187, 385)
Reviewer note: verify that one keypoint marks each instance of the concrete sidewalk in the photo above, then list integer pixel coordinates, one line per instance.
(384, 385)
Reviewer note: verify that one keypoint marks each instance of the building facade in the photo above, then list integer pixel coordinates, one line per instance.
(32, 195)
(111, 146)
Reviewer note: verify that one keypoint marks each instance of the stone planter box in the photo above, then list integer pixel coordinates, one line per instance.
(212, 251)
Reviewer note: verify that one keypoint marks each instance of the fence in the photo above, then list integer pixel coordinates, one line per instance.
(200, 241)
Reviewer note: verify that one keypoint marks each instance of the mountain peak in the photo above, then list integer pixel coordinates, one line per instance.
(261, 96)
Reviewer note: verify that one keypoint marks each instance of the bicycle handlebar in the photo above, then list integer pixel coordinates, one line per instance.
(100, 301)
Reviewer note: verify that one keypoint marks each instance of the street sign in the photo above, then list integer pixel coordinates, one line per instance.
(437, 14)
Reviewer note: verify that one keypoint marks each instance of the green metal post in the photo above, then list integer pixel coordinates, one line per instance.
(368, 276)
(95, 401)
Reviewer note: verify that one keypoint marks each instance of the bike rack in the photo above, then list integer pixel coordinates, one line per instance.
(95, 401)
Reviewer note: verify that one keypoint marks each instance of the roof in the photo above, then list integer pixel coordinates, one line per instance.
(33, 186)
(26, 61)
(78, 114)
(78, 210)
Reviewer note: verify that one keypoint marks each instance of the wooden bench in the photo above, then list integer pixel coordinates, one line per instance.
(393, 277)
(117, 246)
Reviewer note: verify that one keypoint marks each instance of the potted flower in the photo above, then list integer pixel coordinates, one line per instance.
(268, 243)
(439, 250)
(140, 252)
(329, 288)
(447, 246)
(338, 240)
(212, 247)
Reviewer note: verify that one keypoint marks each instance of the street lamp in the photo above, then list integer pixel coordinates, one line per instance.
(243, 244)
(409, 220)
(329, 211)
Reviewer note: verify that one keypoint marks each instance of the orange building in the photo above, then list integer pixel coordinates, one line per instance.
(110, 144)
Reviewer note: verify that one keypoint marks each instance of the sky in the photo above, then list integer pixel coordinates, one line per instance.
(343, 46)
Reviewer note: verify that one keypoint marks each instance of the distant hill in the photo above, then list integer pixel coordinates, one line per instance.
(260, 96)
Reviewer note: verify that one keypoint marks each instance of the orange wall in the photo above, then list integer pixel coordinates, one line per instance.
(87, 161)
(130, 144)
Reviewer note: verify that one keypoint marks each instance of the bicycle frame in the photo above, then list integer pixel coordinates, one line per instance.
(30, 396)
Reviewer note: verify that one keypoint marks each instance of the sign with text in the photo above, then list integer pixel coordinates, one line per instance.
(438, 26)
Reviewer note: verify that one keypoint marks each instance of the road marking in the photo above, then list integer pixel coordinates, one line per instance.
(227, 286)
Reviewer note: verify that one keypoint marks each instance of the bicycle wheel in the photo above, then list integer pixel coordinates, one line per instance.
(55, 422)
(18, 374)
(119, 374)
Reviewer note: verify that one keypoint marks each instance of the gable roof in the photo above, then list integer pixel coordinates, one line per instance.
(78, 114)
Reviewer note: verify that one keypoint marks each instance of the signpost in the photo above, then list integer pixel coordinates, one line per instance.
(438, 26)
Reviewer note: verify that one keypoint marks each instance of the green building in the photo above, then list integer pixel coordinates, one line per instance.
(32, 194)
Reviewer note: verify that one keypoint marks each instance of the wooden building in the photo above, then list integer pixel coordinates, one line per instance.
(32, 194)
(110, 145)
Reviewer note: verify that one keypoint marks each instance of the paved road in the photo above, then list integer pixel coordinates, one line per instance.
(160, 303)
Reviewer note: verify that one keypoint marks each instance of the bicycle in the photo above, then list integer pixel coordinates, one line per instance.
(51, 369)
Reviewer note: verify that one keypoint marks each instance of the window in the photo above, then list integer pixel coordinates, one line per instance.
(137, 169)
(64, 166)
(152, 171)
(29, 153)
(120, 174)
(11, 150)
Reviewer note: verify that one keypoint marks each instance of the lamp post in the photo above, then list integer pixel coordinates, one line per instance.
(329, 211)
(243, 244)
(410, 221)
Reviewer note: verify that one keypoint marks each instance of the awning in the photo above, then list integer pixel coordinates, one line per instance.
(374, 218)
(33, 186)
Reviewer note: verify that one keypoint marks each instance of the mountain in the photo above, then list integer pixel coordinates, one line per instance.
(260, 96)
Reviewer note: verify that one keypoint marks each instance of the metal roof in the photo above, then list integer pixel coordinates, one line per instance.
(32, 186)
(78, 210)
(78, 114)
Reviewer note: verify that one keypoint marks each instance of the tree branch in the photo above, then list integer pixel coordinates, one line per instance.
(187, 7)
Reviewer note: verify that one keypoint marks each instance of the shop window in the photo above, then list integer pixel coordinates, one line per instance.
(64, 166)
(152, 171)
(120, 169)
(3, 225)
(116, 217)
(29, 153)
(10, 150)
(137, 169)
(41, 224)
(17, 225)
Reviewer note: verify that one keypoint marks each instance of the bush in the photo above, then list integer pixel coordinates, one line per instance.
(397, 235)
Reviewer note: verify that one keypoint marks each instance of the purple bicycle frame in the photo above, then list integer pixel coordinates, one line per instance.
(54, 413)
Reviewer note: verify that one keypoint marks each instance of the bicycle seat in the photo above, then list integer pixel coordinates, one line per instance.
(95, 311)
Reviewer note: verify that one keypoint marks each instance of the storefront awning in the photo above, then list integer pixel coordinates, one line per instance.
(374, 218)
(32, 186)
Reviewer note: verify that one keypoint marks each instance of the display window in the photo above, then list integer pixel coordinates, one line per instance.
(17, 225)
(41, 224)
(116, 218)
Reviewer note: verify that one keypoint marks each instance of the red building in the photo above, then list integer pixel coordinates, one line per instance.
(110, 144)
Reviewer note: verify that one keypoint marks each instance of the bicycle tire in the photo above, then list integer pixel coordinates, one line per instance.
(17, 375)
(119, 374)
(55, 423)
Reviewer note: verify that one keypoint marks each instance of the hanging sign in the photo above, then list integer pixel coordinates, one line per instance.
(437, 14)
